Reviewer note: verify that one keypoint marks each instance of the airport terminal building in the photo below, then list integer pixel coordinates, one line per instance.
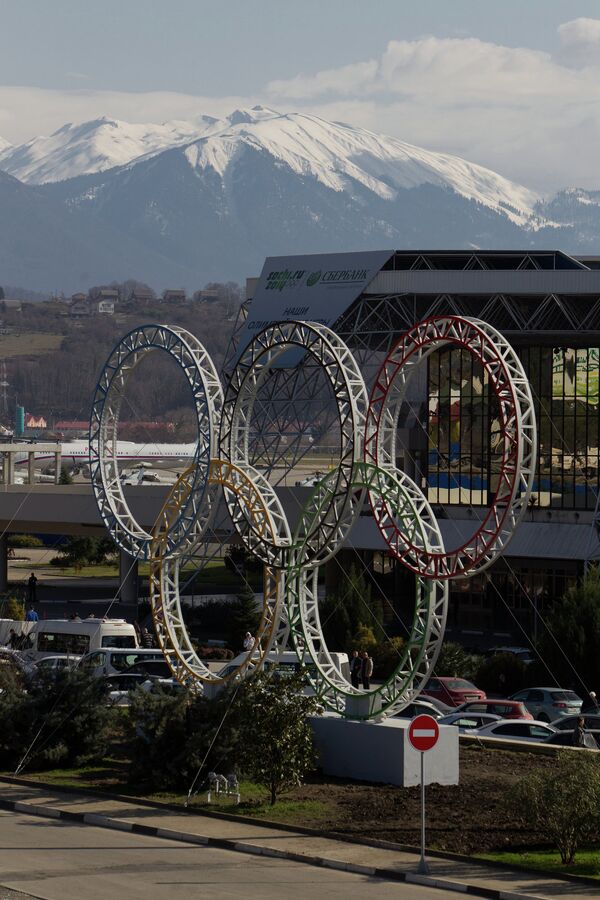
(547, 304)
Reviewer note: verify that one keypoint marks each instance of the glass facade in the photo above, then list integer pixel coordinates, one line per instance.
(463, 428)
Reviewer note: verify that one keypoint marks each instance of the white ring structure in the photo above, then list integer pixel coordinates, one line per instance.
(423, 645)
(166, 570)
(205, 386)
(350, 396)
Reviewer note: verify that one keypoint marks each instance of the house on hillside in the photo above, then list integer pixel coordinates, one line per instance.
(109, 294)
(105, 307)
(211, 295)
(80, 307)
(174, 295)
(142, 295)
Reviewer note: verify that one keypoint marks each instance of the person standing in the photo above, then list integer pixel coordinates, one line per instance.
(355, 667)
(579, 733)
(31, 587)
(248, 643)
(592, 704)
(31, 616)
(366, 670)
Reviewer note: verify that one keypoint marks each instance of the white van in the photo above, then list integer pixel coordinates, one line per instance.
(73, 637)
(115, 660)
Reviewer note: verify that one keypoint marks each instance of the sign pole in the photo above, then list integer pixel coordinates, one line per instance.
(423, 735)
(422, 868)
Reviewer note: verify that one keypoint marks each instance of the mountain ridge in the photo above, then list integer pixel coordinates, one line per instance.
(208, 199)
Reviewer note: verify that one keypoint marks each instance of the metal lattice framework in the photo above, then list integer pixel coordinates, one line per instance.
(517, 440)
(421, 649)
(166, 570)
(197, 366)
(366, 465)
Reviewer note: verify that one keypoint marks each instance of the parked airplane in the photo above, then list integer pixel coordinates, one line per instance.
(78, 452)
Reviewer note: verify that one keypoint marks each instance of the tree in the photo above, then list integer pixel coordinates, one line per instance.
(13, 609)
(63, 718)
(276, 748)
(350, 607)
(504, 673)
(244, 616)
(455, 662)
(563, 805)
(569, 644)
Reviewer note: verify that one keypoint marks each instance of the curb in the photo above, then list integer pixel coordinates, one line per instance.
(298, 829)
(100, 821)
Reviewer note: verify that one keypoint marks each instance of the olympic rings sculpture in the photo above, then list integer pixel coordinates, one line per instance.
(367, 467)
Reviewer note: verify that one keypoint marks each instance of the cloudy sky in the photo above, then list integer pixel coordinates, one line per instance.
(512, 85)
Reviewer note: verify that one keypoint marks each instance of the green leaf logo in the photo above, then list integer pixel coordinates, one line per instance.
(313, 278)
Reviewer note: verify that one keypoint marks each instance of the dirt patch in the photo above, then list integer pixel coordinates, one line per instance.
(470, 817)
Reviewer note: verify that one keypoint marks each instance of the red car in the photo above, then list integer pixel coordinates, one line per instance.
(506, 709)
(453, 691)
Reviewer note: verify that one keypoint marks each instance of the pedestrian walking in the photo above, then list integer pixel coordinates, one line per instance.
(31, 616)
(248, 643)
(366, 670)
(31, 587)
(592, 704)
(147, 640)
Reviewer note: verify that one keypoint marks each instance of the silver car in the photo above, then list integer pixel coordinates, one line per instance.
(518, 730)
(549, 703)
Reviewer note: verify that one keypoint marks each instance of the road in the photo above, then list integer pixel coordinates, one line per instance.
(57, 860)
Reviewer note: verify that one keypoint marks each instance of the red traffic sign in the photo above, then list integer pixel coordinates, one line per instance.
(423, 733)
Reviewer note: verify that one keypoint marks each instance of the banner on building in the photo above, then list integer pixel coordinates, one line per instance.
(317, 287)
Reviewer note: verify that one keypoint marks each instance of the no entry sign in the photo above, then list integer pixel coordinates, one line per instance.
(423, 733)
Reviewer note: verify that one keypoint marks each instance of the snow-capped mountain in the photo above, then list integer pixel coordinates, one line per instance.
(93, 147)
(210, 198)
(333, 153)
(4, 146)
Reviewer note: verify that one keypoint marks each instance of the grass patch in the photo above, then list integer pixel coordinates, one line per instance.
(29, 344)
(587, 861)
(255, 803)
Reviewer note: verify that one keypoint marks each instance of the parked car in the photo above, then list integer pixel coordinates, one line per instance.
(469, 722)
(442, 707)
(112, 661)
(453, 691)
(418, 708)
(549, 703)
(518, 730)
(568, 723)
(56, 663)
(523, 653)
(591, 725)
(565, 739)
(504, 709)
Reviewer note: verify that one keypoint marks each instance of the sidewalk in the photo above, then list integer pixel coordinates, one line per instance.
(246, 837)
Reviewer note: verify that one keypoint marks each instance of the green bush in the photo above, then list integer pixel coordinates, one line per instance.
(563, 805)
(386, 657)
(172, 735)
(11, 608)
(24, 541)
(63, 716)
(503, 673)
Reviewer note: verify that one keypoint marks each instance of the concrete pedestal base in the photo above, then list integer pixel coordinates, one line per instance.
(381, 752)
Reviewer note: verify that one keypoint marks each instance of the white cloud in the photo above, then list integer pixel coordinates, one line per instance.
(580, 42)
(530, 115)
(28, 111)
